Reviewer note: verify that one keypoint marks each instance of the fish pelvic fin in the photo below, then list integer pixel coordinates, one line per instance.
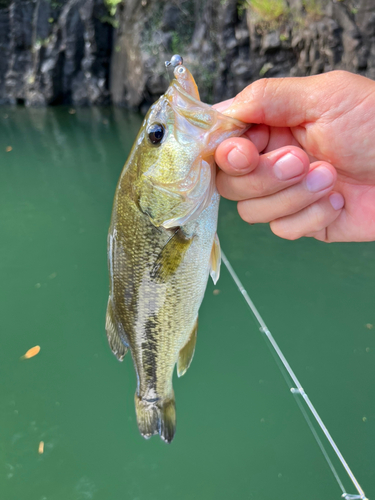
(186, 354)
(215, 260)
(114, 339)
(156, 417)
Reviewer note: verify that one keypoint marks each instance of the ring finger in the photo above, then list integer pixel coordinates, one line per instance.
(318, 182)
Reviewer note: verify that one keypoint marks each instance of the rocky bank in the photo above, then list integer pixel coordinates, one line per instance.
(80, 52)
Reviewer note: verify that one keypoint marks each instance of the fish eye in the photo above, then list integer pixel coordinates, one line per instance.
(181, 70)
(155, 133)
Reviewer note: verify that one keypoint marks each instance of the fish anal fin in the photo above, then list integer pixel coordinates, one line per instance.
(114, 340)
(186, 354)
(156, 417)
(171, 256)
(215, 260)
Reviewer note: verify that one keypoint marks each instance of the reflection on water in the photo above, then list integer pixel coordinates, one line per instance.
(239, 432)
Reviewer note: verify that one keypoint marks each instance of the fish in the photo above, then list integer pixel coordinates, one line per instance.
(162, 244)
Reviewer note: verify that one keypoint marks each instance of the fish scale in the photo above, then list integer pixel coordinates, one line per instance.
(162, 245)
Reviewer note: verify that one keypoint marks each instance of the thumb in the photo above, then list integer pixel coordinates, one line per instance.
(280, 102)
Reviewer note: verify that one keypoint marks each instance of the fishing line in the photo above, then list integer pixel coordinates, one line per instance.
(298, 391)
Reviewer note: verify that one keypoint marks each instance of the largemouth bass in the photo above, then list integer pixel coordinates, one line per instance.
(162, 244)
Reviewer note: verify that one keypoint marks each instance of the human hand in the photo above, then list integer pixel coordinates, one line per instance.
(308, 167)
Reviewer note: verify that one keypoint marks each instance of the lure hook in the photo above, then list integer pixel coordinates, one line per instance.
(176, 60)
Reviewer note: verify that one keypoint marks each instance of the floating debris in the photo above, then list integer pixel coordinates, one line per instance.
(72, 111)
(41, 448)
(364, 419)
(31, 352)
(52, 276)
(369, 326)
(216, 291)
(367, 349)
(37, 285)
(8, 149)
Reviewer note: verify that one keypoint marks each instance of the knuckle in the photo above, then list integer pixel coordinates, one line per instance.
(255, 186)
(281, 229)
(337, 74)
(244, 212)
(287, 200)
(315, 217)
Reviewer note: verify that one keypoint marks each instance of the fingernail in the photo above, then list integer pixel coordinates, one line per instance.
(237, 159)
(337, 201)
(222, 106)
(288, 166)
(318, 179)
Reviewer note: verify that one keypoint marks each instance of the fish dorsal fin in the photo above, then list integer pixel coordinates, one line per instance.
(187, 352)
(170, 256)
(215, 260)
(114, 339)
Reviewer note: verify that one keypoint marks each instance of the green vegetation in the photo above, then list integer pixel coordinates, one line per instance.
(266, 67)
(268, 14)
(269, 10)
(176, 44)
(180, 40)
(41, 42)
(112, 6)
(313, 8)
(110, 20)
(112, 9)
(273, 14)
(205, 80)
(182, 31)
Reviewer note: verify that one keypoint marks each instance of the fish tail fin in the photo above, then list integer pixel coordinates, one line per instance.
(167, 420)
(153, 418)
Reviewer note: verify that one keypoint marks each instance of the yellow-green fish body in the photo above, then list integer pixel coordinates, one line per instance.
(162, 245)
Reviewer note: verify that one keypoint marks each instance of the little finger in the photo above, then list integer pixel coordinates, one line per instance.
(311, 221)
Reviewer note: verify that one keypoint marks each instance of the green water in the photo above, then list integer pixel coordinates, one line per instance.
(240, 434)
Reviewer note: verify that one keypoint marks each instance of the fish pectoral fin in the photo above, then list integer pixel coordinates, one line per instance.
(215, 260)
(186, 354)
(171, 256)
(156, 418)
(114, 339)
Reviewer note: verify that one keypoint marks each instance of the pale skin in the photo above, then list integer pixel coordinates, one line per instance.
(308, 166)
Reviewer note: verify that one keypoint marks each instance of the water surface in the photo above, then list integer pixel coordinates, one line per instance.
(240, 434)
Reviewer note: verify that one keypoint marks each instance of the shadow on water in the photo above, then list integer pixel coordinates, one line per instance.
(240, 434)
